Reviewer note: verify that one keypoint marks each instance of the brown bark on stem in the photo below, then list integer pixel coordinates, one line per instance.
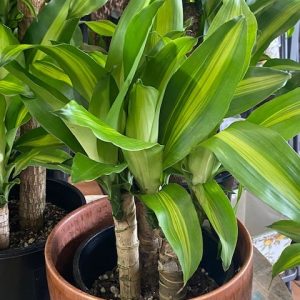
(33, 179)
(4, 227)
(149, 247)
(171, 284)
(128, 250)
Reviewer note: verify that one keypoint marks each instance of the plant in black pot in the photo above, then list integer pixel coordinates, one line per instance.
(22, 254)
(151, 106)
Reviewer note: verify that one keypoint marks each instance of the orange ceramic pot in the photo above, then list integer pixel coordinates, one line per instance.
(74, 228)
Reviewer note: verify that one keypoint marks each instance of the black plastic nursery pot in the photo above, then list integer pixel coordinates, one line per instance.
(22, 270)
(97, 255)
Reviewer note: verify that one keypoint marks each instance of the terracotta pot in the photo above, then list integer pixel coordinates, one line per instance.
(68, 234)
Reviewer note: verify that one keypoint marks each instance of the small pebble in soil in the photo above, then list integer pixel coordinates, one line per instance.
(107, 286)
(24, 238)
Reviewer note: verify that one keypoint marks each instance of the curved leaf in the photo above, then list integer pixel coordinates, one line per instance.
(281, 114)
(198, 95)
(75, 114)
(289, 258)
(274, 21)
(245, 150)
(283, 64)
(288, 228)
(101, 27)
(221, 215)
(258, 84)
(179, 222)
(80, 8)
(86, 169)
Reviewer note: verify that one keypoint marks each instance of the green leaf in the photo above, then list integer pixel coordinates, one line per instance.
(232, 9)
(36, 138)
(198, 95)
(75, 114)
(86, 169)
(288, 228)
(274, 21)
(83, 71)
(23, 161)
(220, 214)
(283, 64)
(160, 68)
(289, 258)
(246, 151)
(134, 44)
(80, 8)
(115, 55)
(258, 6)
(179, 222)
(169, 18)
(281, 114)
(101, 27)
(258, 84)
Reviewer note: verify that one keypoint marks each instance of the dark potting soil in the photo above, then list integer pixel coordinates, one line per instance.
(107, 286)
(24, 238)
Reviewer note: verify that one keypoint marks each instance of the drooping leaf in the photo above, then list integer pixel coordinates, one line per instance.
(80, 8)
(198, 95)
(75, 114)
(274, 21)
(257, 85)
(101, 27)
(245, 150)
(283, 64)
(86, 169)
(221, 215)
(290, 258)
(36, 138)
(179, 222)
(281, 114)
(288, 228)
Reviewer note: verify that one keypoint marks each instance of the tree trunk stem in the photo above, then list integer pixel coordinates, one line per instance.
(128, 250)
(4, 227)
(171, 285)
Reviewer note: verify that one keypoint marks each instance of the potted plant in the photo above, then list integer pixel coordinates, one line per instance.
(148, 110)
(35, 148)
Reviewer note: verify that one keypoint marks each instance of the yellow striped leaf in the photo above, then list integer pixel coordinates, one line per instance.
(101, 27)
(258, 84)
(288, 228)
(289, 258)
(281, 114)
(199, 93)
(221, 216)
(179, 222)
(262, 161)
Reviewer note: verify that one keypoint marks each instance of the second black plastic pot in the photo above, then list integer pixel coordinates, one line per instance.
(97, 255)
(22, 271)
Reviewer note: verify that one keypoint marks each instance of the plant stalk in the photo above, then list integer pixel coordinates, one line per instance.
(149, 247)
(4, 227)
(171, 285)
(128, 250)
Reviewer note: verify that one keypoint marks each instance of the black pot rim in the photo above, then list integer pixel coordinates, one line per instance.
(17, 252)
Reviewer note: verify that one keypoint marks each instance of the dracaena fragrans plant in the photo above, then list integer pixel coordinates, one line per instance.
(152, 106)
(36, 147)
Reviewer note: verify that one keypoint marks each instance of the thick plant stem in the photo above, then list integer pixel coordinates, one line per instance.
(128, 250)
(149, 247)
(32, 197)
(4, 227)
(171, 284)
(33, 179)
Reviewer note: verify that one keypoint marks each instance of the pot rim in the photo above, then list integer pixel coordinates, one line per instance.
(54, 273)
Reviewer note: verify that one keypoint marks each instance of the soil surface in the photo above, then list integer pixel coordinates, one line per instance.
(107, 286)
(24, 238)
